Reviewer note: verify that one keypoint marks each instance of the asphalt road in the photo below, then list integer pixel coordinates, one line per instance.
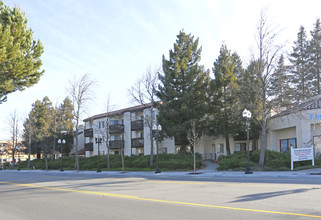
(47, 195)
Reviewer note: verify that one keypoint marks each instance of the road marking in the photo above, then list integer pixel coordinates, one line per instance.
(162, 201)
(180, 182)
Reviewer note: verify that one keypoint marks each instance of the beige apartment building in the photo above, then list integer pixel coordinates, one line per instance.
(124, 130)
(128, 130)
(297, 127)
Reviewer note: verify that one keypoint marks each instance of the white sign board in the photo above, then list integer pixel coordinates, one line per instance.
(301, 154)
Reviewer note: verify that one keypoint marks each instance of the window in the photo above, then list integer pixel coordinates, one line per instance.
(101, 124)
(116, 137)
(220, 148)
(286, 144)
(140, 151)
(240, 147)
(113, 122)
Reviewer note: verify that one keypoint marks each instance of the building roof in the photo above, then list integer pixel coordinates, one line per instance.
(310, 103)
(118, 112)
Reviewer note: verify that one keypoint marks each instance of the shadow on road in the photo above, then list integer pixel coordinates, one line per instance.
(261, 196)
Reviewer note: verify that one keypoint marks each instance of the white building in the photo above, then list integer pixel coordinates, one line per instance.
(297, 127)
(125, 129)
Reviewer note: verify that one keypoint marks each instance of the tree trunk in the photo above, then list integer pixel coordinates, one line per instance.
(46, 159)
(151, 157)
(108, 161)
(13, 159)
(194, 161)
(76, 148)
(227, 142)
(262, 153)
(122, 159)
(29, 152)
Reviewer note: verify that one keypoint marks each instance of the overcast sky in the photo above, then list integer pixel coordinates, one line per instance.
(115, 41)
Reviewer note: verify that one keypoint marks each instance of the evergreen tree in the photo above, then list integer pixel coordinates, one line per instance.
(223, 90)
(279, 87)
(20, 61)
(64, 115)
(249, 97)
(42, 112)
(314, 51)
(300, 77)
(183, 90)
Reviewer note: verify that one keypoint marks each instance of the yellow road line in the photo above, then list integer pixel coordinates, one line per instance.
(163, 201)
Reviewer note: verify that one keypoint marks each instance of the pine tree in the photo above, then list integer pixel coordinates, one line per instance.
(42, 114)
(65, 123)
(183, 89)
(279, 88)
(224, 89)
(20, 61)
(300, 76)
(249, 97)
(315, 57)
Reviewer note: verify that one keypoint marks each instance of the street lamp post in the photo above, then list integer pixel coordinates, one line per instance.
(247, 116)
(98, 141)
(157, 130)
(61, 142)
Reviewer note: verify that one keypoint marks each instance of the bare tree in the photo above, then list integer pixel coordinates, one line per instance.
(268, 52)
(105, 132)
(28, 134)
(144, 93)
(13, 124)
(194, 139)
(81, 94)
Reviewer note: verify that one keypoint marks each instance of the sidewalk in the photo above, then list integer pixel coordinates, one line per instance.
(207, 172)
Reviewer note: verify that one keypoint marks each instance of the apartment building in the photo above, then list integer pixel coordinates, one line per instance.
(124, 130)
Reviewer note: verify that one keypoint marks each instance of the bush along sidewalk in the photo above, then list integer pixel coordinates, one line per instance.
(167, 162)
(273, 161)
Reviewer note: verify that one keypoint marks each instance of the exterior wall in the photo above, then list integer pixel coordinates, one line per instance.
(169, 144)
(127, 134)
(302, 125)
(212, 147)
(81, 140)
(277, 135)
(147, 141)
(127, 118)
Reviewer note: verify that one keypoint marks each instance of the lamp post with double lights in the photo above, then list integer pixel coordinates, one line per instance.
(247, 116)
(98, 140)
(61, 142)
(157, 130)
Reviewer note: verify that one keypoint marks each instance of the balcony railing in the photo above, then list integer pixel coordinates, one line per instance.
(137, 142)
(118, 128)
(88, 132)
(137, 125)
(116, 144)
(89, 147)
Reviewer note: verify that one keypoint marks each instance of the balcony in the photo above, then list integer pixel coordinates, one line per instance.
(89, 147)
(137, 142)
(116, 144)
(137, 125)
(118, 128)
(88, 132)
